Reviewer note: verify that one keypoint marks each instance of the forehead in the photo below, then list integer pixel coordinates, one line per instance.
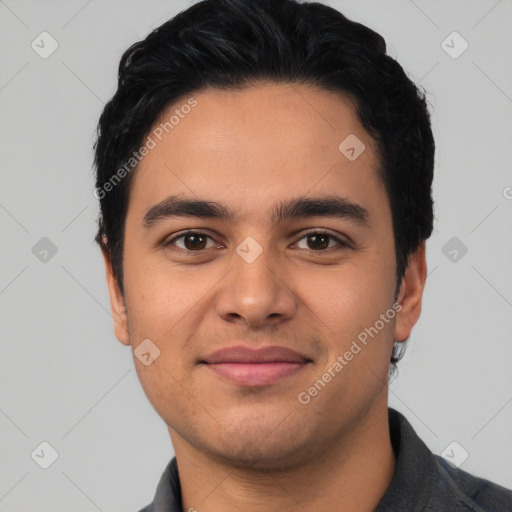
(247, 146)
(300, 116)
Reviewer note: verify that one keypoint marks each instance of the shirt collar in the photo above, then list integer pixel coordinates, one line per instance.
(168, 492)
(414, 477)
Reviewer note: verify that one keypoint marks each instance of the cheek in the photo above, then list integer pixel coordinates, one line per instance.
(357, 333)
(164, 387)
(350, 297)
(160, 296)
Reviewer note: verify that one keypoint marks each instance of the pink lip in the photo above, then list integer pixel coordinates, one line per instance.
(255, 367)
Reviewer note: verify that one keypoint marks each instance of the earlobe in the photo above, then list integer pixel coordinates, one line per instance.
(117, 302)
(411, 293)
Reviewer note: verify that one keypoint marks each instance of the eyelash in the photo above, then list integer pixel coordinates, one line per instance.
(341, 243)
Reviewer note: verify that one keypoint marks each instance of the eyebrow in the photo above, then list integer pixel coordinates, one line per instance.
(302, 207)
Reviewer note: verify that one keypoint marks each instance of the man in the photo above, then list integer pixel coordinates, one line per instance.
(264, 173)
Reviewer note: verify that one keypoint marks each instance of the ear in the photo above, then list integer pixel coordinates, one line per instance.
(411, 293)
(117, 303)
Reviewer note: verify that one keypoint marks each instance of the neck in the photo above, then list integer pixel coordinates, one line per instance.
(351, 475)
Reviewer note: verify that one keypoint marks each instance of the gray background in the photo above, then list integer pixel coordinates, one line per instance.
(65, 379)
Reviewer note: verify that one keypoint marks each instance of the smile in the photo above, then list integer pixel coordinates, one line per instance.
(255, 374)
(249, 366)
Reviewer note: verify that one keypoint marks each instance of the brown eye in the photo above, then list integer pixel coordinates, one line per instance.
(190, 241)
(194, 241)
(319, 241)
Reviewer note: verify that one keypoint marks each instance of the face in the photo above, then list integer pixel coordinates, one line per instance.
(303, 281)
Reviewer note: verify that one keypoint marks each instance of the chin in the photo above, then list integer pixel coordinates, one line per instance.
(249, 457)
(257, 447)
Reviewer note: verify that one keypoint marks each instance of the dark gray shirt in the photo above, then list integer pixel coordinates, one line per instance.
(422, 481)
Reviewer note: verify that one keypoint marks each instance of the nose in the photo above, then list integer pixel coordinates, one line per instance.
(255, 293)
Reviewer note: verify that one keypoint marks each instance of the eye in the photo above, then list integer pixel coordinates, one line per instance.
(319, 241)
(193, 241)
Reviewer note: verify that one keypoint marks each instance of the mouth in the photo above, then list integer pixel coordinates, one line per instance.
(246, 366)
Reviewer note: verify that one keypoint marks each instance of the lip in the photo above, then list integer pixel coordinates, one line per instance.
(246, 366)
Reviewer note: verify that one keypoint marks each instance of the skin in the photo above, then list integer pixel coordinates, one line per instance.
(260, 449)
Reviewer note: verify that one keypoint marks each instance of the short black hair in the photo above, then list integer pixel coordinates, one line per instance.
(232, 44)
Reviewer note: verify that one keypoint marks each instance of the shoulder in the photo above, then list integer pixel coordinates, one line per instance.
(425, 482)
(473, 493)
